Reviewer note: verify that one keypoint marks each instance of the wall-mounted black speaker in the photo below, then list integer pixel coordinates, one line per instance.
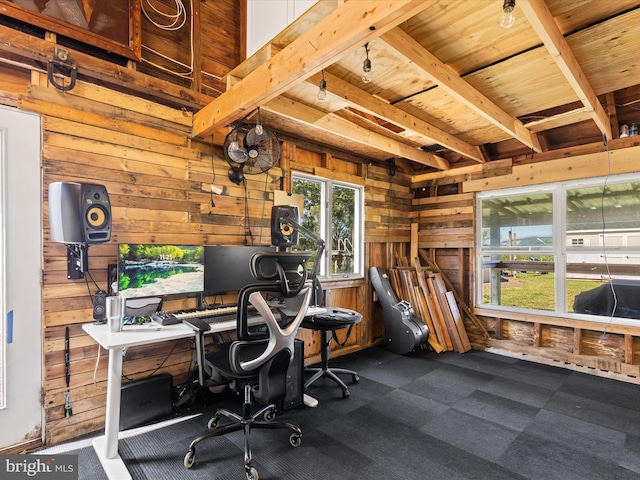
(283, 234)
(95, 209)
(79, 213)
(99, 306)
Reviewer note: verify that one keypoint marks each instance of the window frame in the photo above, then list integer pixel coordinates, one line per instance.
(561, 248)
(326, 225)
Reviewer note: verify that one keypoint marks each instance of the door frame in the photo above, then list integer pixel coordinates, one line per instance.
(22, 416)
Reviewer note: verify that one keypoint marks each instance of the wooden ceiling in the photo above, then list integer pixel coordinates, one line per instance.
(450, 87)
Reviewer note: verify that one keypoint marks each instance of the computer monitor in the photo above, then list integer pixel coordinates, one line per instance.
(146, 270)
(227, 268)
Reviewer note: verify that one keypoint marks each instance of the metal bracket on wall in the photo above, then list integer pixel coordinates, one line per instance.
(77, 261)
(62, 61)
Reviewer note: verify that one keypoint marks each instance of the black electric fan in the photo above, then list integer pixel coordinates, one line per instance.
(250, 149)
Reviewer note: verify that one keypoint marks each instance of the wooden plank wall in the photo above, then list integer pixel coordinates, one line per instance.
(157, 179)
(445, 220)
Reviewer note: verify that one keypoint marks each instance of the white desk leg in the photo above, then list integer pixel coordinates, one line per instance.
(107, 447)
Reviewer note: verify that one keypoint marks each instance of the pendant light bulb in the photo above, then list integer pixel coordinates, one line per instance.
(259, 129)
(322, 90)
(366, 66)
(508, 15)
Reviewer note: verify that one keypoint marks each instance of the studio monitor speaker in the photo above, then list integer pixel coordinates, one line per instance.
(79, 213)
(283, 233)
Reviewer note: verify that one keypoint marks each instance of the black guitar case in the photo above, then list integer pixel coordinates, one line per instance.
(404, 332)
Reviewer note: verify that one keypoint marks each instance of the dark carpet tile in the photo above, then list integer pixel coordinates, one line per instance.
(449, 384)
(407, 408)
(377, 471)
(604, 390)
(329, 397)
(518, 391)
(88, 464)
(428, 388)
(607, 415)
(479, 437)
(582, 436)
(315, 459)
(544, 376)
(400, 371)
(145, 461)
(538, 459)
(496, 472)
(419, 455)
(630, 459)
(480, 361)
(624, 474)
(508, 413)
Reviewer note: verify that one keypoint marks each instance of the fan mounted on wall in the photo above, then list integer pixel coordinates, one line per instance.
(250, 149)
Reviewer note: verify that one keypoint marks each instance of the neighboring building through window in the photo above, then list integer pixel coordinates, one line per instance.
(334, 211)
(566, 249)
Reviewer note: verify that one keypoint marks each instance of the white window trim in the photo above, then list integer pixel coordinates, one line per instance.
(560, 249)
(325, 226)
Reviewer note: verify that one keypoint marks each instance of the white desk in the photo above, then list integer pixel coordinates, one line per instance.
(107, 446)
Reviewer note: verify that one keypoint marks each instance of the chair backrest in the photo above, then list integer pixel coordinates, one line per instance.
(268, 354)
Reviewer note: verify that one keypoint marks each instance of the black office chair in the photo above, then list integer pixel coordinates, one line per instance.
(257, 362)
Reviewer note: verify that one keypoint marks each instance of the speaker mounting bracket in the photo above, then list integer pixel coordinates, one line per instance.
(77, 260)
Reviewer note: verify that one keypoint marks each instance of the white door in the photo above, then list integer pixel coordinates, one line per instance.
(20, 269)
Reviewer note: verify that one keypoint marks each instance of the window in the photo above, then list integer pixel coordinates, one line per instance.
(333, 210)
(570, 249)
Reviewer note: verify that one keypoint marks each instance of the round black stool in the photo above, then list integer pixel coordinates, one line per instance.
(327, 323)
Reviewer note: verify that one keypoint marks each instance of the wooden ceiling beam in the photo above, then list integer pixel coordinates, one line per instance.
(447, 79)
(378, 107)
(332, 123)
(560, 120)
(349, 27)
(542, 21)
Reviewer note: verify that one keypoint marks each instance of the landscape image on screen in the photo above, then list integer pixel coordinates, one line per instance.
(153, 270)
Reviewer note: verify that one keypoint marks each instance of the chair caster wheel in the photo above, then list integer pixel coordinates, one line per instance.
(252, 474)
(270, 415)
(213, 422)
(295, 439)
(356, 379)
(345, 394)
(189, 459)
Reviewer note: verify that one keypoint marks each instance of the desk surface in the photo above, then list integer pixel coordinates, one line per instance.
(138, 335)
(132, 335)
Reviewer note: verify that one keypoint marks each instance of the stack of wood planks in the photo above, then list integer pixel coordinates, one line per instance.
(434, 302)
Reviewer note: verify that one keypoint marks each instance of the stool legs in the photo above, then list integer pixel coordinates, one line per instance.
(325, 371)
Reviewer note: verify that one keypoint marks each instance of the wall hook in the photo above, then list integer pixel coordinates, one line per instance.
(62, 61)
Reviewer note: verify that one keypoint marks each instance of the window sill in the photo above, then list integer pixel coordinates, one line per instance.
(618, 325)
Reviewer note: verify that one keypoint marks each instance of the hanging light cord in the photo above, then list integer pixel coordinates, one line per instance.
(604, 244)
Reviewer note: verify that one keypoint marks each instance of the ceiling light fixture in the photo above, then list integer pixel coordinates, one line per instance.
(259, 129)
(508, 16)
(322, 91)
(366, 66)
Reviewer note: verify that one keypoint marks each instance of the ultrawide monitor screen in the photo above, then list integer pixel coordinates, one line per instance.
(158, 270)
(228, 267)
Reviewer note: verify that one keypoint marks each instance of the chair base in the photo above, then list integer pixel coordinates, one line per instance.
(245, 422)
(325, 371)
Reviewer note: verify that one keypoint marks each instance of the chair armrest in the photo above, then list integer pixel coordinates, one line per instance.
(197, 324)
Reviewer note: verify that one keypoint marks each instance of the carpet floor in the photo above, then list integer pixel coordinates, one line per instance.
(423, 415)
